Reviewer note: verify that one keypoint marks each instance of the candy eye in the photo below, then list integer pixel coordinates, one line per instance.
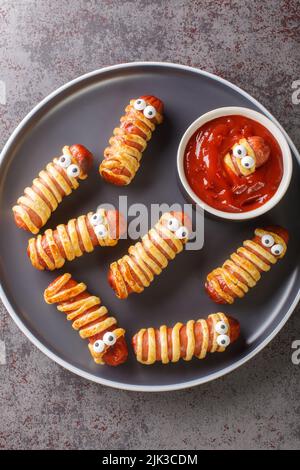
(247, 162)
(64, 161)
(149, 112)
(173, 224)
(221, 327)
(73, 170)
(99, 346)
(182, 232)
(239, 151)
(223, 340)
(101, 231)
(109, 338)
(267, 240)
(277, 249)
(96, 219)
(139, 104)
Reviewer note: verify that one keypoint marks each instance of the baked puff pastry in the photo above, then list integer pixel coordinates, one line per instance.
(57, 180)
(185, 341)
(246, 156)
(129, 140)
(147, 258)
(243, 269)
(106, 340)
(66, 242)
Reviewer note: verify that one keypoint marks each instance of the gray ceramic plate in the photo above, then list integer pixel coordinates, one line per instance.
(86, 110)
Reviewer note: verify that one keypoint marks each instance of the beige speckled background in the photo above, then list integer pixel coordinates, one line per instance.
(45, 43)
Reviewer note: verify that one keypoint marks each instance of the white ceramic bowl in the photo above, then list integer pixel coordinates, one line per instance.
(268, 124)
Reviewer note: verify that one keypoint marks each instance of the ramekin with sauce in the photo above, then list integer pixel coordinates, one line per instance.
(235, 163)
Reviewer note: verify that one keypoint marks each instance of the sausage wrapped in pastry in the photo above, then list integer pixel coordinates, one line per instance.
(246, 156)
(147, 258)
(106, 340)
(243, 269)
(66, 242)
(185, 341)
(57, 180)
(129, 140)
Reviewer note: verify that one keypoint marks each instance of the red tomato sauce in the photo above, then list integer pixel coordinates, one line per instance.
(206, 173)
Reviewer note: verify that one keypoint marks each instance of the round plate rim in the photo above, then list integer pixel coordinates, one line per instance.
(39, 344)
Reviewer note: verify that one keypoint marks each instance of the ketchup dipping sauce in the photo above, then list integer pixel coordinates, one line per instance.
(233, 164)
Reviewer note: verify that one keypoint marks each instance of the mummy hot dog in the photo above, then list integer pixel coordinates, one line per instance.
(57, 180)
(106, 341)
(129, 140)
(150, 256)
(247, 155)
(193, 339)
(66, 242)
(243, 269)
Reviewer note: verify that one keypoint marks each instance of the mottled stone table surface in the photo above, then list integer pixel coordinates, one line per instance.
(45, 43)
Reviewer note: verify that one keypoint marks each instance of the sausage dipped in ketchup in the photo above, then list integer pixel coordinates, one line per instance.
(233, 164)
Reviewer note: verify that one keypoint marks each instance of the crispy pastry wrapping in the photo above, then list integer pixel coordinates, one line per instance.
(106, 340)
(147, 258)
(185, 341)
(57, 180)
(66, 242)
(122, 156)
(243, 269)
